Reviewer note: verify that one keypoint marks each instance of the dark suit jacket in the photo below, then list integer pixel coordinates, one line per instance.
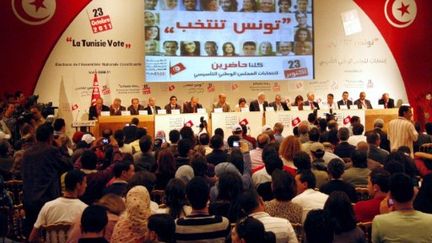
(168, 108)
(149, 110)
(377, 154)
(340, 102)
(315, 104)
(129, 133)
(254, 105)
(93, 113)
(390, 103)
(133, 111)
(359, 104)
(118, 112)
(283, 104)
(344, 150)
(187, 107)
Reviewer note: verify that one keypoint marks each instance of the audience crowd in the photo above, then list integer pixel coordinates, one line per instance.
(127, 186)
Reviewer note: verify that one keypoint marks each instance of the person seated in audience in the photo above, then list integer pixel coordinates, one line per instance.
(378, 128)
(335, 169)
(250, 230)
(386, 101)
(423, 200)
(200, 225)
(123, 171)
(303, 131)
(221, 103)
(284, 189)
(362, 102)
(345, 101)
(344, 149)
(119, 137)
(313, 135)
(192, 106)
(172, 105)
(357, 136)
(253, 206)
(358, 173)
(175, 202)
(241, 105)
(135, 107)
(166, 168)
(130, 130)
(302, 161)
(259, 104)
(160, 228)
(63, 209)
(184, 148)
(298, 101)
(278, 130)
(423, 138)
(244, 136)
(319, 165)
(218, 155)
(116, 108)
(145, 159)
(375, 152)
(132, 224)
(287, 149)
(202, 168)
(371, 164)
(341, 213)
(378, 187)
(93, 222)
(96, 109)
(307, 197)
(204, 140)
(229, 188)
(256, 154)
(278, 104)
(311, 101)
(404, 223)
(140, 132)
(318, 227)
(152, 108)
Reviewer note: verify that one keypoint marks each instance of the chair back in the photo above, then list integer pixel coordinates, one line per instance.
(298, 229)
(362, 193)
(16, 188)
(366, 227)
(158, 196)
(55, 233)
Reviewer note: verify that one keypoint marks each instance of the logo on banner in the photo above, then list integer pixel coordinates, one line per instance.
(400, 13)
(146, 89)
(295, 121)
(244, 122)
(177, 68)
(211, 88)
(75, 107)
(34, 12)
(276, 87)
(106, 90)
(171, 87)
(234, 86)
(189, 123)
(347, 120)
(100, 22)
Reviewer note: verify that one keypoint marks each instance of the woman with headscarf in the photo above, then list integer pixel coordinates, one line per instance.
(132, 225)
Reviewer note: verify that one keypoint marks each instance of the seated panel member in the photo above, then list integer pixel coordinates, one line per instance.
(362, 102)
(96, 109)
(222, 103)
(259, 104)
(172, 105)
(386, 101)
(135, 106)
(330, 102)
(311, 101)
(116, 108)
(344, 100)
(278, 105)
(241, 104)
(152, 108)
(192, 106)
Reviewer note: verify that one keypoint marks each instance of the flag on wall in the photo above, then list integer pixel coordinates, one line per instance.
(96, 92)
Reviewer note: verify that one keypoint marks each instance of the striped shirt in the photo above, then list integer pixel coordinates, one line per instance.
(282, 228)
(202, 228)
(401, 132)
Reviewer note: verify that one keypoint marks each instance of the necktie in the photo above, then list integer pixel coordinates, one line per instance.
(311, 105)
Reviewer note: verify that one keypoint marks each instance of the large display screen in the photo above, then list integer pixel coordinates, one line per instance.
(226, 40)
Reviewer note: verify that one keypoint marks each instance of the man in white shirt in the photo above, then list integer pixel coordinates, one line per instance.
(401, 131)
(357, 136)
(307, 197)
(256, 154)
(253, 205)
(65, 209)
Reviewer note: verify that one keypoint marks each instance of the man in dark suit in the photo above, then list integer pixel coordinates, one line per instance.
(375, 152)
(386, 101)
(311, 101)
(192, 106)
(116, 108)
(96, 109)
(345, 100)
(362, 102)
(278, 105)
(130, 130)
(172, 105)
(344, 149)
(135, 107)
(152, 108)
(259, 104)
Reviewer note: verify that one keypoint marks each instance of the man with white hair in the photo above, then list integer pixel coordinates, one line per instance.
(259, 104)
(311, 101)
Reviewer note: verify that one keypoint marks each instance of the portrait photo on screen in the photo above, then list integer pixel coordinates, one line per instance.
(228, 40)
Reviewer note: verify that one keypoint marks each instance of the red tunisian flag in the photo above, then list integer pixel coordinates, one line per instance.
(30, 30)
(406, 27)
(96, 92)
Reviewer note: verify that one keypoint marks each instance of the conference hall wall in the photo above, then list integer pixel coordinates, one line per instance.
(58, 49)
